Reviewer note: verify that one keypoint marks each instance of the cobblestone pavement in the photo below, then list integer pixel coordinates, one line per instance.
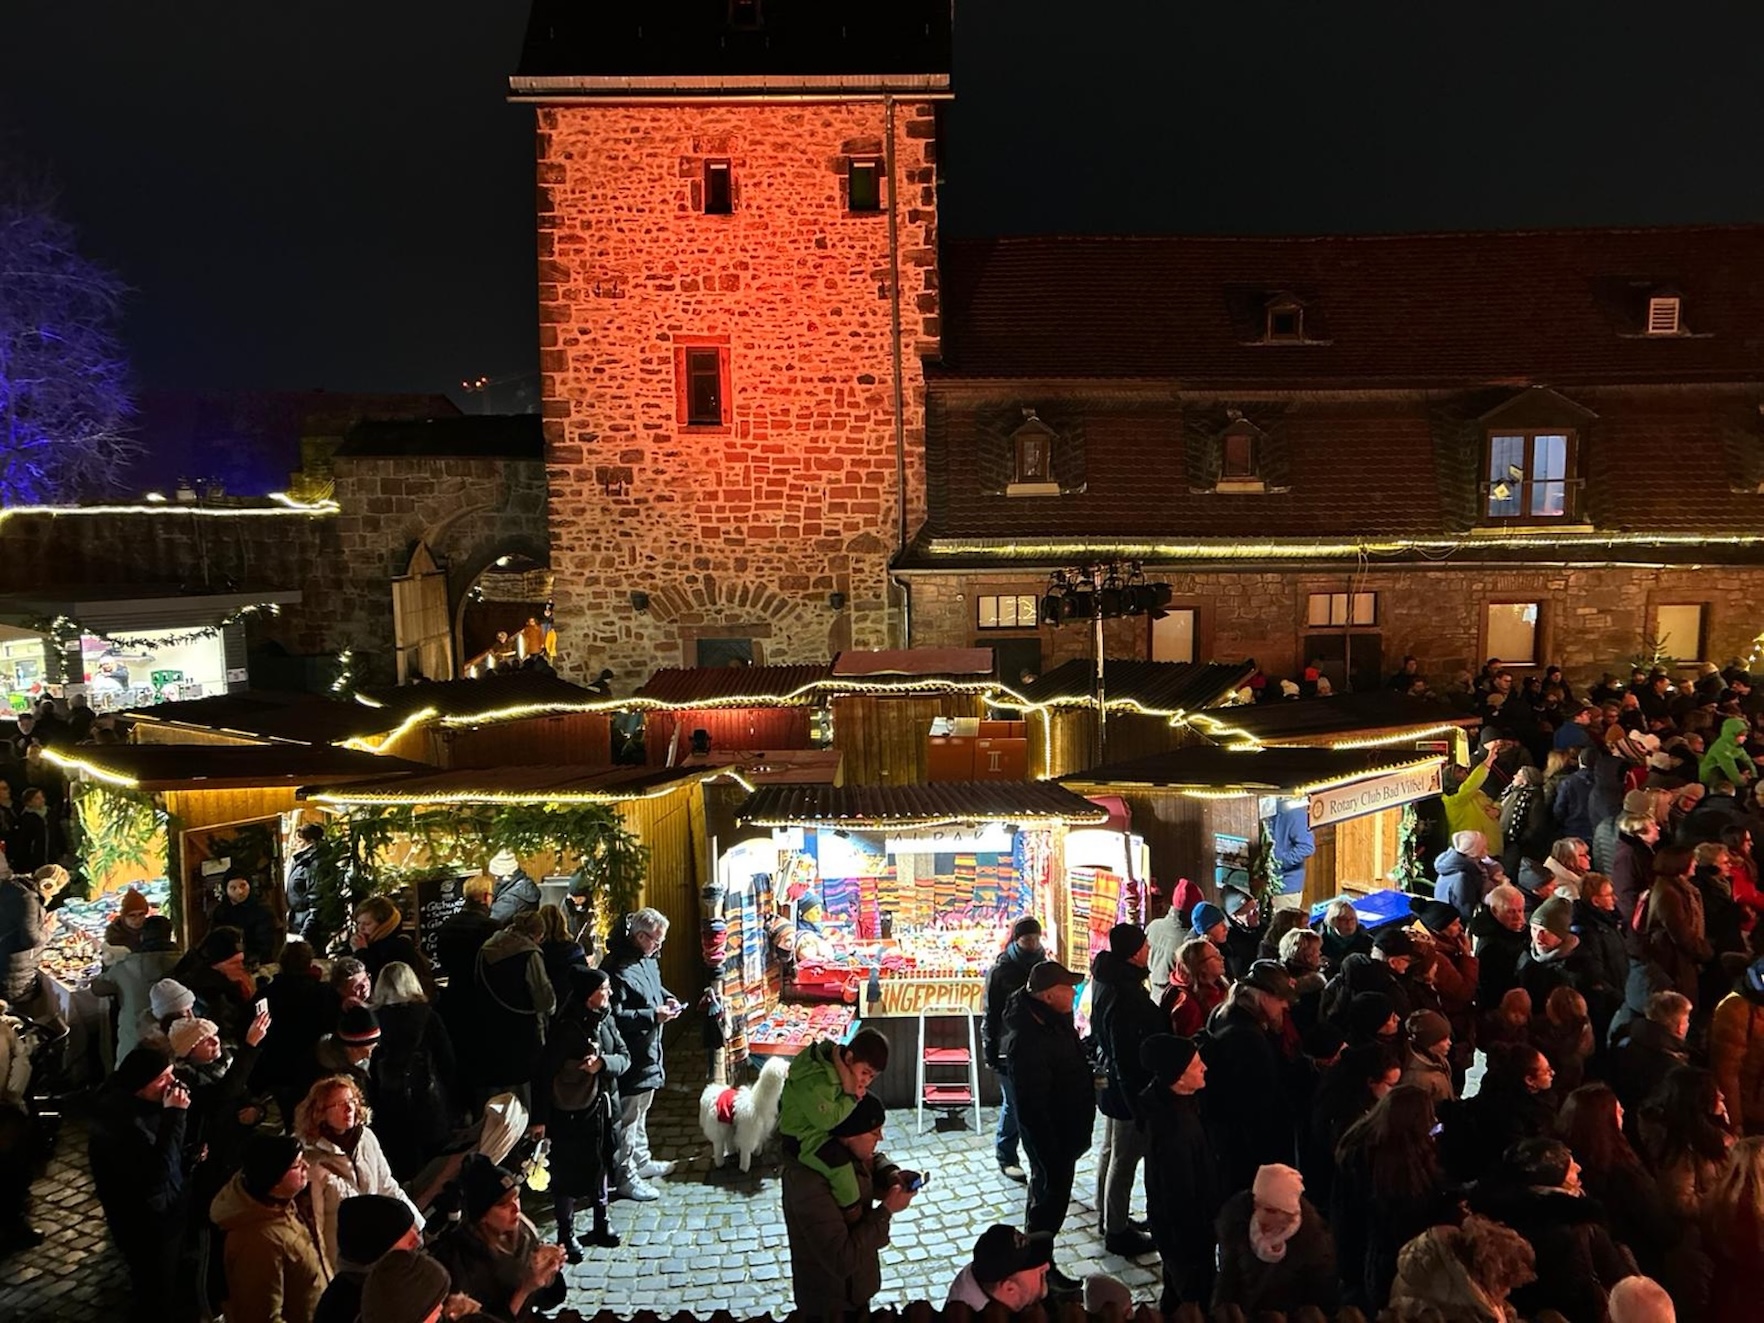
(714, 1240)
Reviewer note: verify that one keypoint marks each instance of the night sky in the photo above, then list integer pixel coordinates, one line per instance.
(335, 192)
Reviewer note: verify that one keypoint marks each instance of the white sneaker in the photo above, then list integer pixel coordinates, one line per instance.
(653, 1168)
(639, 1190)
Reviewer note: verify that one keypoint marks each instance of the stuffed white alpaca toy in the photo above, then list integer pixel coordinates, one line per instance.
(742, 1120)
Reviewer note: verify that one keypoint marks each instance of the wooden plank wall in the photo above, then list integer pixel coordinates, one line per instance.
(569, 739)
(730, 728)
(664, 824)
(884, 737)
(1061, 741)
(1179, 831)
(147, 732)
(209, 808)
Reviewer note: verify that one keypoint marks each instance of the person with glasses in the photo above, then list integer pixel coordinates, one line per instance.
(641, 1006)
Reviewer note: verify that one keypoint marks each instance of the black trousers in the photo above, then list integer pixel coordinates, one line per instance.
(1051, 1172)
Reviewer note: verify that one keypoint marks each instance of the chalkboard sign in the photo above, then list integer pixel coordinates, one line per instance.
(437, 900)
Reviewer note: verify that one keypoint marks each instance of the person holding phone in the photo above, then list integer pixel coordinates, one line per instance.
(835, 1252)
(640, 1007)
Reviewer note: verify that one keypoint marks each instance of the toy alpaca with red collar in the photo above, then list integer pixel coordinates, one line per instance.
(742, 1120)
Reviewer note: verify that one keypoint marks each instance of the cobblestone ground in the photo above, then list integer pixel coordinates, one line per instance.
(714, 1240)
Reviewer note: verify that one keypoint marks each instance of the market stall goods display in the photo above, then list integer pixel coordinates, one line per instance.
(75, 955)
(787, 1029)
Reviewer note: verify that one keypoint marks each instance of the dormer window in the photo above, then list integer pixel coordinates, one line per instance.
(1663, 314)
(1238, 460)
(1032, 450)
(1286, 322)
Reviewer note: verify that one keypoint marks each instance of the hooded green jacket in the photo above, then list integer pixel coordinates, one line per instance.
(815, 1101)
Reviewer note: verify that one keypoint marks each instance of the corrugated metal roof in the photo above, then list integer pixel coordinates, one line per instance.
(1209, 767)
(733, 686)
(1156, 687)
(901, 806)
(917, 662)
(230, 766)
(269, 715)
(493, 785)
(496, 696)
(1341, 714)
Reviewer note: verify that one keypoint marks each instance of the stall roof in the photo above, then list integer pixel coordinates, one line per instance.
(926, 805)
(1344, 716)
(264, 714)
(692, 687)
(516, 785)
(495, 697)
(228, 766)
(1155, 688)
(970, 663)
(1279, 770)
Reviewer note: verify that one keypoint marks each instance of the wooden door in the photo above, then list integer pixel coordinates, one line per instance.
(421, 623)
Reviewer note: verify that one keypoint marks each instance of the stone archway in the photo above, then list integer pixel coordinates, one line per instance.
(531, 554)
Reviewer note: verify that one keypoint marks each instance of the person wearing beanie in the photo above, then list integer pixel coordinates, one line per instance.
(260, 936)
(835, 1252)
(135, 1143)
(216, 976)
(1372, 1018)
(1428, 1063)
(1276, 1254)
(1244, 928)
(575, 1098)
(1208, 921)
(1055, 1093)
(276, 1270)
(1008, 975)
(369, 1227)
(1461, 873)
(223, 1111)
(493, 1254)
(1251, 1105)
(132, 983)
(1393, 949)
(1183, 1189)
(1122, 1016)
(1166, 934)
(407, 1286)
(125, 929)
(349, 1048)
(335, 1123)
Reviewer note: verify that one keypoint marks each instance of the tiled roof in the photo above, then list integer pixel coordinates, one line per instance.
(1158, 687)
(515, 784)
(1210, 767)
(231, 766)
(1340, 714)
(656, 39)
(926, 805)
(919, 663)
(732, 686)
(267, 714)
(1558, 307)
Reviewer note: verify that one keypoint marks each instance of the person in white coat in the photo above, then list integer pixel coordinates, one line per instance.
(343, 1154)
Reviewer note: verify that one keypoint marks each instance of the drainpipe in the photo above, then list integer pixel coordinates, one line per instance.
(900, 471)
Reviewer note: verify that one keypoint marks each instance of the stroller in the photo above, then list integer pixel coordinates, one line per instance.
(29, 1119)
(500, 1135)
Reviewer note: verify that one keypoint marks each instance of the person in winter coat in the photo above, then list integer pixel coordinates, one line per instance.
(1572, 808)
(1601, 965)
(302, 884)
(1684, 1136)
(1008, 1268)
(1500, 937)
(1724, 921)
(1121, 1018)
(1393, 951)
(215, 972)
(25, 926)
(1276, 1254)
(135, 1144)
(1736, 1051)
(824, 1084)
(1512, 1104)
(300, 1013)
(223, 1112)
(1461, 876)
(462, 933)
(1733, 1232)
(413, 1071)
(369, 1227)
(562, 953)
(334, 1123)
(517, 1001)
(131, 916)
(1251, 1102)
(1647, 1048)
(1166, 934)
(640, 1007)
(275, 1271)
(1342, 935)
(836, 1257)
(1346, 1091)
(1468, 807)
(576, 1100)
(1538, 1193)
(1056, 1094)
(1550, 949)
(379, 939)
(259, 933)
(1009, 972)
(1612, 1173)
(130, 981)
(1632, 867)
(1460, 1274)
(494, 1254)
(1727, 759)
(1673, 931)
(1527, 827)
(1244, 926)
(1197, 987)
(1293, 844)
(515, 892)
(1183, 1188)
(1388, 1189)
(1428, 1065)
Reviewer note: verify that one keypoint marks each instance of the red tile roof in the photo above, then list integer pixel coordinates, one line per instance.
(1560, 307)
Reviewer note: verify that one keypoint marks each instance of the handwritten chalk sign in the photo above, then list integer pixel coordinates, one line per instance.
(438, 899)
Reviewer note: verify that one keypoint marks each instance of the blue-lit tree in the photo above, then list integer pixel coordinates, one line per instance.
(65, 402)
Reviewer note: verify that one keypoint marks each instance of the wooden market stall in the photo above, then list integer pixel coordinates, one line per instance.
(890, 903)
(738, 707)
(1384, 719)
(1145, 703)
(885, 702)
(1206, 810)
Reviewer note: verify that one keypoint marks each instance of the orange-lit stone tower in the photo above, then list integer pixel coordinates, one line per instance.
(737, 217)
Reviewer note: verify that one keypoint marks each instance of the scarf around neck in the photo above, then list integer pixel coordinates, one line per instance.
(1270, 1249)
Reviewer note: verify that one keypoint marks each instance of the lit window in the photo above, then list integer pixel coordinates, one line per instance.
(1512, 633)
(1340, 610)
(863, 184)
(719, 189)
(1530, 476)
(1032, 455)
(1678, 631)
(1006, 612)
(701, 386)
(1172, 635)
(1238, 461)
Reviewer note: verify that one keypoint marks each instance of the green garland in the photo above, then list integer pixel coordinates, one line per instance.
(67, 629)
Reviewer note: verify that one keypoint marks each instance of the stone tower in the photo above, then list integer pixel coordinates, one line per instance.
(737, 217)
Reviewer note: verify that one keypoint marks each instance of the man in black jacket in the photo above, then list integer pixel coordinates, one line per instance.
(1252, 1098)
(136, 1145)
(1008, 975)
(640, 1007)
(1122, 1017)
(1056, 1095)
(302, 885)
(1183, 1191)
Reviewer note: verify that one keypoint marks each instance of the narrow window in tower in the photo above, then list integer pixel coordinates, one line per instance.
(704, 387)
(863, 184)
(719, 189)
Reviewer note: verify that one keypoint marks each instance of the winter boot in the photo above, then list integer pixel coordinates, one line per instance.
(602, 1234)
(566, 1236)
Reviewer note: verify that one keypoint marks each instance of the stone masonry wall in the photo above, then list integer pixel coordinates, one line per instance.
(1590, 620)
(744, 530)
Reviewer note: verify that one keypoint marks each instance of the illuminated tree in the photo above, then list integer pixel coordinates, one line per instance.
(65, 403)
